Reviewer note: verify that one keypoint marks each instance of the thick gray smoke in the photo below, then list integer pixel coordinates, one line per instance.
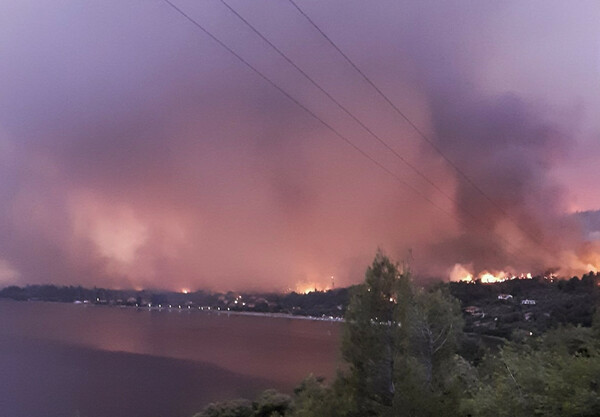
(136, 152)
(514, 213)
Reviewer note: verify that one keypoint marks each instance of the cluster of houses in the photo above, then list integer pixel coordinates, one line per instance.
(509, 297)
(479, 313)
(227, 302)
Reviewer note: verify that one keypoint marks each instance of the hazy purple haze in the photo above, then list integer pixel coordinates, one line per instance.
(135, 151)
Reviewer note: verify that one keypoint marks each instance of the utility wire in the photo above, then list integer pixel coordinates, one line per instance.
(315, 116)
(421, 134)
(311, 113)
(345, 110)
(352, 116)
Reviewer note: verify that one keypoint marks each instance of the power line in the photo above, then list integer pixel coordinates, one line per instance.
(420, 133)
(350, 114)
(310, 112)
(315, 116)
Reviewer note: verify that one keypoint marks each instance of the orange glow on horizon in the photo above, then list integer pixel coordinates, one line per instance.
(304, 288)
(462, 273)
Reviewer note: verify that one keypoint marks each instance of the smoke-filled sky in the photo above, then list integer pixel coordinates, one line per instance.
(135, 151)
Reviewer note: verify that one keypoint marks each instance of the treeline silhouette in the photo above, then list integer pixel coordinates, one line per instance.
(331, 303)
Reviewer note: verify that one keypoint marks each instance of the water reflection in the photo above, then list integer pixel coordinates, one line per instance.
(238, 351)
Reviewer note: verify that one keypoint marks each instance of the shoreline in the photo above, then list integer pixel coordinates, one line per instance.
(230, 312)
(190, 309)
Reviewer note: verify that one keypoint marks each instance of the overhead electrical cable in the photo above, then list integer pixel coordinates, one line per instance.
(350, 114)
(420, 133)
(310, 112)
(315, 116)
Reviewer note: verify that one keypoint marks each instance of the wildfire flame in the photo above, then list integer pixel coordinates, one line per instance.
(463, 273)
(305, 288)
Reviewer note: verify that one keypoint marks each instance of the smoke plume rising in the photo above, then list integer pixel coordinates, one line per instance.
(136, 152)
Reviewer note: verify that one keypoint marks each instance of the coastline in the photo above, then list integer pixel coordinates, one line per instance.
(201, 309)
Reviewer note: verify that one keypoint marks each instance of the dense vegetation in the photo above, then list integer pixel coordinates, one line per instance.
(405, 353)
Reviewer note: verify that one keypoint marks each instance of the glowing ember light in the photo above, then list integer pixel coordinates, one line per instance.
(488, 278)
(306, 288)
(312, 284)
(461, 273)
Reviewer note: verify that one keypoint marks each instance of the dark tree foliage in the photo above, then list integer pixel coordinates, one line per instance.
(233, 408)
(269, 404)
(405, 353)
(557, 374)
(400, 345)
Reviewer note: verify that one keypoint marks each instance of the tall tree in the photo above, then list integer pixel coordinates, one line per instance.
(371, 335)
(428, 380)
(399, 343)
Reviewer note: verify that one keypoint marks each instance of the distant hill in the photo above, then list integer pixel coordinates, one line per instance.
(591, 223)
